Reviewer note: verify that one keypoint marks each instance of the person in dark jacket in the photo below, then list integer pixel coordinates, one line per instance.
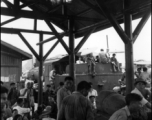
(13, 94)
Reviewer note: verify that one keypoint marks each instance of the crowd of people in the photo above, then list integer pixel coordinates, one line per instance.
(103, 57)
(63, 104)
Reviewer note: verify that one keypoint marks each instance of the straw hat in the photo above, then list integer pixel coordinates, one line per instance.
(140, 80)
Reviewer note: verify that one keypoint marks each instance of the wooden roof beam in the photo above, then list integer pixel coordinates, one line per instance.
(52, 48)
(98, 10)
(21, 13)
(9, 4)
(10, 20)
(83, 40)
(58, 36)
(113, 21)
(52, 38)
(15, 31)
(141, 25)
(29, 46)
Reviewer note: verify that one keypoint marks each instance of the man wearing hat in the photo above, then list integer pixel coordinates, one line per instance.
(140, 89)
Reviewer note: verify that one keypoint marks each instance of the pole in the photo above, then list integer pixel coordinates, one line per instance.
(129, 50)
(107, 43)
(72, 53)
(40, 71)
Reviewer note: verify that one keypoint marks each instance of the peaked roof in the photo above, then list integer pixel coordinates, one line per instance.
(25, 55)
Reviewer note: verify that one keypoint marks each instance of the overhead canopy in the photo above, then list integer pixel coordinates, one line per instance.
(86, 13)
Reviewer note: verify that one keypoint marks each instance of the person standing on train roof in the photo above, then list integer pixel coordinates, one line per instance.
(103, 57)
(52, 75)
(91, 64)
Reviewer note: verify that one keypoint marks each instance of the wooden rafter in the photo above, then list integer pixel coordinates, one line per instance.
(29, 46)
(52, 48)
(113, 21)
(58, 36)
(52, 38)
(83, 40)
(141, 25)
(15, 31)
(8, 21)
(9, 4)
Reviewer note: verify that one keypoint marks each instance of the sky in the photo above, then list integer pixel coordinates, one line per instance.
(142, 46)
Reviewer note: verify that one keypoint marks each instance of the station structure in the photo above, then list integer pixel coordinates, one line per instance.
(79, 18)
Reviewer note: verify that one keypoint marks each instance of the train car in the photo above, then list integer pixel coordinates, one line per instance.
(105, 78)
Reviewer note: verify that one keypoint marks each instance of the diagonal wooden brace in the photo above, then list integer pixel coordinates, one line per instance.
(58, 36)
(29, 46)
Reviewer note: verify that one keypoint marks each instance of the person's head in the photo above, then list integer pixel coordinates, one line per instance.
(17, 117)
(140, 84)
(48, 86)
(80, 58)
(114, 55)
(84, 88)
(68, 82)
(102, 50)
(92, 99)
(12, 85)
(97, 57)
(4, 94)
(139, 69)
(20, 101)
(133, 101)
(61, 84)
(144, 69)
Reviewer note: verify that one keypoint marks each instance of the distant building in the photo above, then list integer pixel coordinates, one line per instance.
(11, 62)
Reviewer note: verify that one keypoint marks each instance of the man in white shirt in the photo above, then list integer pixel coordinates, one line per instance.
(92, 91)
(140, 89)
(19, 107)
(79, 61)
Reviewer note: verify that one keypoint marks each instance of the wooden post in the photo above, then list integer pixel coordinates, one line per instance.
(40, 93)
(72, 51)
(129, 51)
